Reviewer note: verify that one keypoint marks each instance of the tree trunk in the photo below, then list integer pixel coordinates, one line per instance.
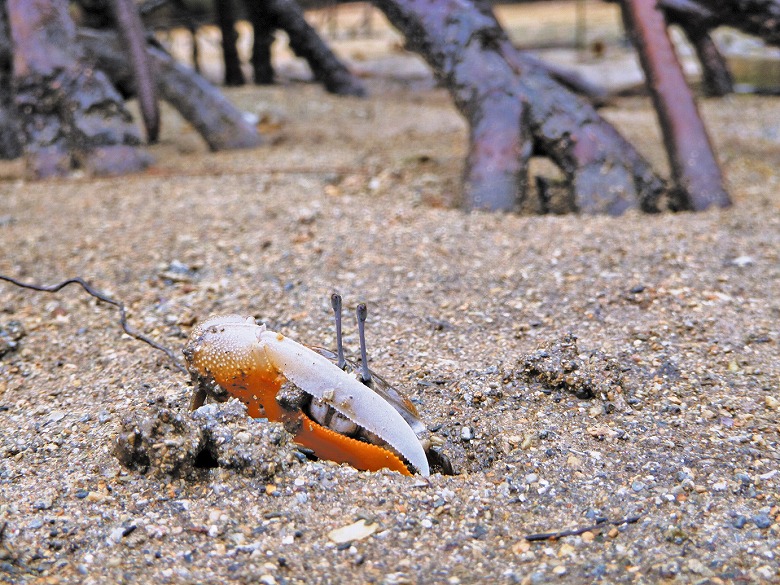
(70, 113)
(263, 27)
(226, 19)
(124, 16)
(220, 124)
(131, 31)
(568, 78)
(306, 43)
(716, 77)
(485, 74)
(10, 146)
(760, 18)
(458, 45)
(695, 171)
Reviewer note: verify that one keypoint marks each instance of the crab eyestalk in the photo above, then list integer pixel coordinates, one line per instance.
(335, 302)
(365, 373)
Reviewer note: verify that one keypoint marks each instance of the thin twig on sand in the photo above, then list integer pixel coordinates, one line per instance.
(600, 523)
(106, 299)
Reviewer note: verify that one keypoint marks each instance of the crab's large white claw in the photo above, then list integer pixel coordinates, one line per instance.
(319, 377)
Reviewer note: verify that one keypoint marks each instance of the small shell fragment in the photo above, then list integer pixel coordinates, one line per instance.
(355, 531)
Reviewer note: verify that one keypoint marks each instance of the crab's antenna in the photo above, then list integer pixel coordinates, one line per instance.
(362, 313)
(335, 302)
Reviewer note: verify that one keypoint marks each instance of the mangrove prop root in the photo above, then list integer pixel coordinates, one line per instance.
(131, 30)
(216, 119)
(513, 108)
(696, 174)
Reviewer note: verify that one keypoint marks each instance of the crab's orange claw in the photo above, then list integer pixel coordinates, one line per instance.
(328, 444)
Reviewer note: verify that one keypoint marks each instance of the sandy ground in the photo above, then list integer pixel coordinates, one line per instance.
(676, 319)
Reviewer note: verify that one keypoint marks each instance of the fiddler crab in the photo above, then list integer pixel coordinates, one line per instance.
(335, 408)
